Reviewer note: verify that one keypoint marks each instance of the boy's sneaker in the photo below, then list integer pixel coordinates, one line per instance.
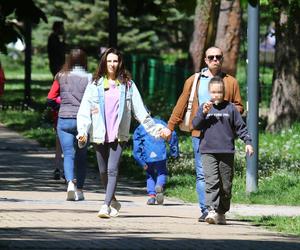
(79, 196)
(221, 220)
(159, 195)
(215, 218)
(56, 174)
(203, 216)
(104, 212)
(151, 201)
(211, 218)
(71, 191)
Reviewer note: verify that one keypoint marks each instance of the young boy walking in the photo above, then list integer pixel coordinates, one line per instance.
(220, 122)
(151, 155)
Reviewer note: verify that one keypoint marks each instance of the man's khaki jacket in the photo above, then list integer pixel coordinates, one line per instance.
(232, 94)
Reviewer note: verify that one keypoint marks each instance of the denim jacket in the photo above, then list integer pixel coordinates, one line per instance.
(91, 117)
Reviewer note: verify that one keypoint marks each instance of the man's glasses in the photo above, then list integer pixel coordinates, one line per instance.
(212, 57)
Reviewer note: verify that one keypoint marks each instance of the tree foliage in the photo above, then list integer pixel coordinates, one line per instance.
(147, 27)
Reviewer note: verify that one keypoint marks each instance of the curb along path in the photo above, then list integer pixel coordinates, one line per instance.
(35, 215)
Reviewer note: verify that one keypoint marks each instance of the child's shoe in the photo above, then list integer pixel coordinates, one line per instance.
(159, 195)
(104, 212)
(151, 201)
(211, 218)
(203, 216)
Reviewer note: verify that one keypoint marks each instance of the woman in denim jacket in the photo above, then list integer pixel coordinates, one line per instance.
(105, 114)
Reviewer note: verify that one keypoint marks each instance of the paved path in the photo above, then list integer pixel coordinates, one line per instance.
(35, 215)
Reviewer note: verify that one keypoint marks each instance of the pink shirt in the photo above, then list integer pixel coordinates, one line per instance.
(111, 109)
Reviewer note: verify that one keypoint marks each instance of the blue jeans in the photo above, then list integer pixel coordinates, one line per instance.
(200, 179)
(156, 174)
(73, 156)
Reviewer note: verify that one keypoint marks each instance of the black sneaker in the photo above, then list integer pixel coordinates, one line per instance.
(56, 174)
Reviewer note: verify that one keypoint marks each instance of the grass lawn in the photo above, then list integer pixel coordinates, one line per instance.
(183, 187)
(283, 224)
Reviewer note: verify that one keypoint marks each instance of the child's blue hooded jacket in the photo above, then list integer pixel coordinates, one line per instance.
(148, 149)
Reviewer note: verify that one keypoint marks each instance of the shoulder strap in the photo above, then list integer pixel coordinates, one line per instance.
(193, 91)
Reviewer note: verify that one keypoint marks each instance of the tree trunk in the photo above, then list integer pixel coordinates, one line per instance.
(228, 34)
(285, 102)
(204, 30)
(27, 63)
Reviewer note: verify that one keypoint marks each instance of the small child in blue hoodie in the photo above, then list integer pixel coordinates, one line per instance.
(151, 155)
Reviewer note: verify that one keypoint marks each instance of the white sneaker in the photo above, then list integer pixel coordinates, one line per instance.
(115, 207)
(79, 196)
(113, 212)
(215, 218)
(71, 191)
(104, 212)
(211, 218)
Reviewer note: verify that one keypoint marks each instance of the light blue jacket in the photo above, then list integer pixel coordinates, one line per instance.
(93, 123)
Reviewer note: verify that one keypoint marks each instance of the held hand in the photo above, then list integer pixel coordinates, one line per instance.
(166, 133)
(206, 107)
(82, 139)
(249, 150)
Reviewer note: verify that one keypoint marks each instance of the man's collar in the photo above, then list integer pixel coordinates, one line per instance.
(203, 73)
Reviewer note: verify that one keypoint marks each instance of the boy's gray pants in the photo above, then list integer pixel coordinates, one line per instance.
(218, 172)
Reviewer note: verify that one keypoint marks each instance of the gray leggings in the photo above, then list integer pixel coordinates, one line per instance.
(108, 159)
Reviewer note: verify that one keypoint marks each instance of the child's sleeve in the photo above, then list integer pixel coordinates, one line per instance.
(240, 127)
(174, 146)
(199, 120)
(53, 98)
(138, 147)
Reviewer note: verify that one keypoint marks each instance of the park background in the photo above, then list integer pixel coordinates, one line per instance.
(163, 42)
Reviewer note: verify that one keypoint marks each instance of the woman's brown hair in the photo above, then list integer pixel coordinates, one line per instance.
(121, 72)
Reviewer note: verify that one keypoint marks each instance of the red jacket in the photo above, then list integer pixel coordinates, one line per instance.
(53, 98)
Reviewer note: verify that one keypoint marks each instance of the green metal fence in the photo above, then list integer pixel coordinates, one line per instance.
(152, 75)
